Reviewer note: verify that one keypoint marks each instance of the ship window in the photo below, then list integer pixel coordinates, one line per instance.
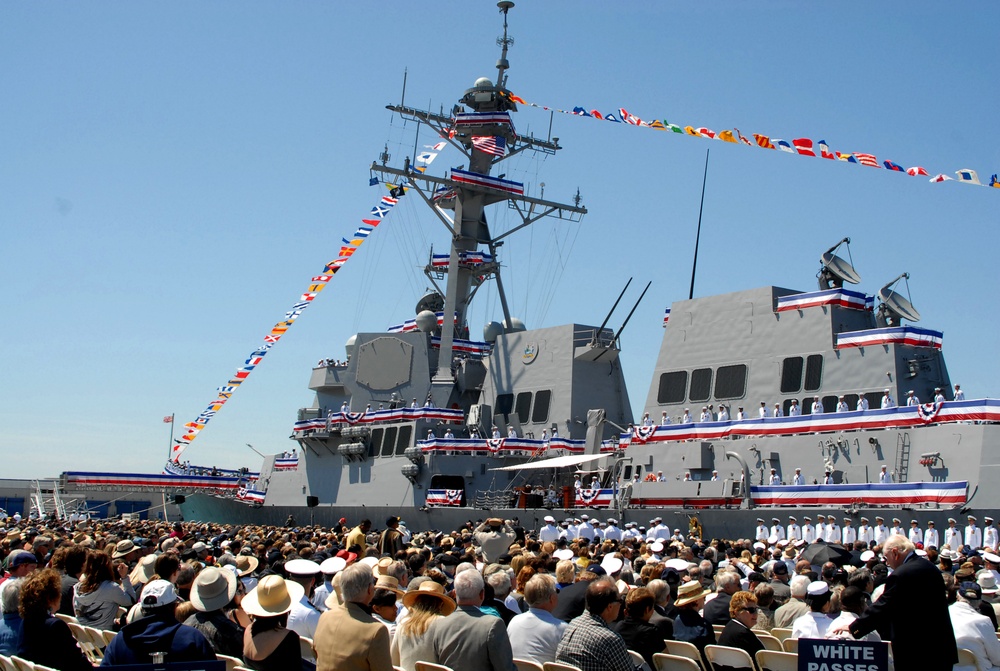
(389, 442)
(672, 387)
(523, 406)
(540, 414)
(627, 473)
(731, 381)
(701, 384)
(403, 441)
(874, 400)
(791, 375)
(374, 441)
(814, 372)
(830, 403)
(504, 404)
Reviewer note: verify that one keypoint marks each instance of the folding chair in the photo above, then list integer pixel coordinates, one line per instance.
(781, 633)
(306, 648)
(667, 662)
(231, 662)
(553, 666)
(527, 665)
(84, 642)
(7, 664)
(731, 658)
(66, 618)
(791, 645)
(638, 661)
(718, 629)
(770, 642)
(967, 659)
(22, 664)
(430, 666)
(108, 636)
(685, 649)
(769, 660)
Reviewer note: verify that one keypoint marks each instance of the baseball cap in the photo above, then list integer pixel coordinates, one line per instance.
(970, 590)
(160, 593)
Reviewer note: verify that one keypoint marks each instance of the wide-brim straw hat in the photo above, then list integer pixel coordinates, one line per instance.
(388, 582)
(213, 589)
(432, 589)
(272, 596)
(689, 592)
(246, 564)
(144, 570)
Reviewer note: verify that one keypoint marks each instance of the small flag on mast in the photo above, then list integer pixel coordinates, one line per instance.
(168, 419)
(490, 144)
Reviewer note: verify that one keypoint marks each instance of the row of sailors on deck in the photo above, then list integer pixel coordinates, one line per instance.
(884, 477)
(973, 536)
(708, 413)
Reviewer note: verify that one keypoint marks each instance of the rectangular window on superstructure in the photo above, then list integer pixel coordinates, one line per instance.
(673, 386)
(523, 406)
(403, 441)
(504, 404)
(389, 441)
(540, 413)
(701, 384)
(814, 372)
(791, 375)
(731, 381)
(374, 441)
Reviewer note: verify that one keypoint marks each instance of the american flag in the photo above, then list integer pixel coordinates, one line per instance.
(168, 419)
(490, 144)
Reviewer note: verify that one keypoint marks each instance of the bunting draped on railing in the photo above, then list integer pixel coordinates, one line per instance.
(982, 410)
(468, 259)
(666, 317)
(898, 335)
(896, 494)
(372, 416)
(501, 446)
(594, 498)
(470, 347)
(840, 297)
(316, 285)
(411, 324)
(801, 146)
(286, 463)
(251, 495)
(437, 498)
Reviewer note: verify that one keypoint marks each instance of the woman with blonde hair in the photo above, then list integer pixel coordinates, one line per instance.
(424, 604)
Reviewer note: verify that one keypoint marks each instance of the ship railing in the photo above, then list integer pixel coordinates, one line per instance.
(495, 498)
(591, 336)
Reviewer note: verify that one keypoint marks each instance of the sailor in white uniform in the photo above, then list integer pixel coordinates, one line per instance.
(990, 537)
(916, 534)
(511, 433)
(798, 479)
(794, 531)
(817, 407)
(647, 420)
(887, 401)
(897, 527)
(827, 478)
(952, 534)
(686, 417)
(832, 530)
(862, 402)
(821, 527)
(865, 532)
(777, 410)
(715, 476)
(586, 529)
(808, 530)
(706, 416)
(664, 418)
(881, 531)
(777, 530)
(959, 394)
(912, 399)
(775, 479)
(884, 478)
(931, 537)
(973, 534)
(849, 535)
(794, 410)
(763, 413)
(304, 616)
(842, 405)
(740, 415)
(938, 396)
(762, 532)
(723, 413)
(612, 532)
(549, 532)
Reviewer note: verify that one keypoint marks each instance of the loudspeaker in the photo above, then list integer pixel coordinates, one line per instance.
(179, 499)
(312, 501)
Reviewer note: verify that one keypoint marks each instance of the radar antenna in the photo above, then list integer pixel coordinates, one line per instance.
(503, 64)
(894, 307)
(834, 270)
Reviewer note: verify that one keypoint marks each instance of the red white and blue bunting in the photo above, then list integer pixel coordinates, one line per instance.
(92, 480)
(472, 259)
(839, 297)
(470, 347)
(316, 284)
(338, 418)
(799, 146)
(899, 335)
(594, 498)
(251, 495)
(286, 464)
(411, 324)
(442, 498)
(872, 495)
(984, 410)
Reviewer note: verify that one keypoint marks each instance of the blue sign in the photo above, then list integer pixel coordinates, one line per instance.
(817, 654)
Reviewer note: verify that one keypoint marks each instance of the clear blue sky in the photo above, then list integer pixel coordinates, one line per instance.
(174, 173)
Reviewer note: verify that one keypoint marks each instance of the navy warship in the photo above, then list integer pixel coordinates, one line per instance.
(762, 399)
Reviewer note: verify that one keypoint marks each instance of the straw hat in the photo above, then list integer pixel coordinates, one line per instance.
(689, 592)
(388, 582)
(430, 588)
(272, 596)
(144, 570)
(122, 548)
(213, 589)
(246, 564)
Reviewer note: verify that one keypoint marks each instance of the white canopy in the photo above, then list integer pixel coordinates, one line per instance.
(555, 462)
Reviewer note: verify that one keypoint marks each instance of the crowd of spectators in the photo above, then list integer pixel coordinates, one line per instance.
(475, 597)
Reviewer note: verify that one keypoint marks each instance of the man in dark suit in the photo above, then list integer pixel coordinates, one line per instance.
(727, 584)
(573, 599)
(659, 619)
(914, 608)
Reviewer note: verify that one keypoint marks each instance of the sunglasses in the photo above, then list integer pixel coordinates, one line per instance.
(751, 609)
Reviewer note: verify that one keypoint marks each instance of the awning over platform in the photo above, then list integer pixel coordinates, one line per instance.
(556, 462)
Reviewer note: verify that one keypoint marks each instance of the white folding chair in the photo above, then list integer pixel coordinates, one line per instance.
(770, 642)
(791, 645)
(557, 666)
(231, 662)
(306, 648)
(638, 661)
(733, 658)
(770, 660)
(781, 633)
(527, 665)
(667, 662)
(430, 666)
(22, 664)
(685, 649)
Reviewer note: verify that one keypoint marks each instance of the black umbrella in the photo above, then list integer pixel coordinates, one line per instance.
(820, 552)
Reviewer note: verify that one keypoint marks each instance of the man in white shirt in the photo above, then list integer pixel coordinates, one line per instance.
(821, 527)
(832, 531)
(827, 478)
(862, 402)
(916, 534)
(706, 416)
(793, 409)
(715, 476)
(686, 417)
(586, 529)
(794, 532)
(647, 420)
(865, 532)
(990, 537)
(723, 413)
(304, 616)
(959, 394)
(881, 531)
(849, 535)
(612, 532)
(549, 532)
(762, 413)
(912, 399)
(974, 631)
(883, 477)
(973, 534)
(952, 534)
(887, 401)
(762, 532)
(777, 410)
(798, 479)
(777, 530)
(842, 405)
(931, 538)
(775, 479)
(536, 634)
(897, 527)
(817, 407)
(808, 530)
(740, 415)
(664, 418)
(938, 396)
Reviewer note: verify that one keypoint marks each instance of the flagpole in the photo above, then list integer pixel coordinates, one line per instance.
(170, 443)
(697, 239)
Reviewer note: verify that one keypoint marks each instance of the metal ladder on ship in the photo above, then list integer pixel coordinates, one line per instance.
(902, 456)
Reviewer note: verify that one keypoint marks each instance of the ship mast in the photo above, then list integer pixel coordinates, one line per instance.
(468, 192)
